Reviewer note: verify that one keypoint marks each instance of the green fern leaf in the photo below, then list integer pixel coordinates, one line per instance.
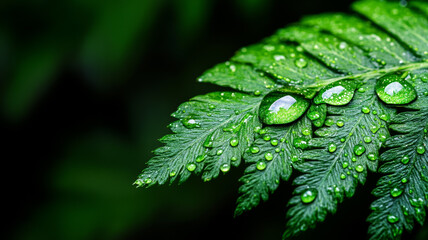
(341, 64)
(402, 193)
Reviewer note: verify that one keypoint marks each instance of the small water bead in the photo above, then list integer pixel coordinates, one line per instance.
(329, 122)
(395, 192)
(392, 219)
(257, 93)
(300, 143)
(337, 93)
(200, 158)
(274, 142)
(234, 142)
(279, 107)
(190, 123)
(261, 165)
(354, 159)
(309, 195)
(306, 131)
(268, 156)
(294, 158)
(233, 158)
(404, 180)
(340, 123)
(225, 167)
(191, 167)
(367, 139)
(342, 176)
(277, 149)
(301, 63)
(359, 149)
(219, 152)
(332, 147)
(342, 139)
(372, 156)
(209, 141)
(394, 89)
(266, 137)
(139, 183)
(313, 115)
(420, 149)
(359, 168)
(254, 149)
(384, 117)
(382, 137)
(345, 164)
(365, 110)
(172, 174)
(405, 160)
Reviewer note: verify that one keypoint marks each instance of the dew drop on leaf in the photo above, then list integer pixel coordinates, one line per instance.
(300, 143)
(234, 142)
(254, 149)
(405, 160)
(393, 89)
(420, 149)
(359, 149)
(337, 93)
(279, 107)
(372, 156)
(392, 219)
(268, 156)
(191, 167)
(359, 168)
(190, 123)
(309, 195)
(395, 192)
(301, 63)
(225, 167)
(332, 147)
(261, 165)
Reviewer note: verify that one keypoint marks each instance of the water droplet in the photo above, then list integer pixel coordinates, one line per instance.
(301, 63)
(219, 152)
(279, 108)
(359, 168)
(367, 139)
(261, 165)
(309, 195)
(268, 156)
(393, 89)
(300, 143)
(342, 176)
(254, 149)
(405, 160)
(359, 149)
(332, 147)
(337, 93)
(209, 141)
(306, 131)
(420, 149)
(191, 167)
(395, 192)
(404, 180)
(372, 156)
(172, 174)
(274, 142)
(365, 110)
(200, 158)
(342, 139)
(190, 123)
(340, 123)
(392, 219)
(382, 137)
(294, 158)
(225, 167)
(314, 115)
(234, 142)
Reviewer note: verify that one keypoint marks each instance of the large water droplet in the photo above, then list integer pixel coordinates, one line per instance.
(261, 165)
(191, 167)
(254, 149)
(309, 195)
(337, 93)
(300, 143)
(234, 142)
(225, 167)
(420, 149)
(332, 147)
(393, 89)
(279, 107)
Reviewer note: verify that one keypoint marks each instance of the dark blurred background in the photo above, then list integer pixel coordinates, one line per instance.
(86, 89)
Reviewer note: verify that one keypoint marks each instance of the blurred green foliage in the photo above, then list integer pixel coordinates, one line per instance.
(86, 88)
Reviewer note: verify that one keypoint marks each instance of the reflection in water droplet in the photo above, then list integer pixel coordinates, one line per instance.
(359, 149)
(279, 108)
(337, 93)
(309, 195)
(395, 192)
(393, 89)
